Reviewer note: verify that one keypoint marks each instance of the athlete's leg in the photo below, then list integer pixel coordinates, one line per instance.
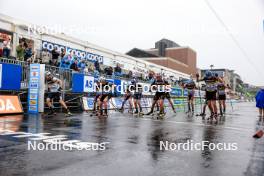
(192, 104)
(124, 102)
(105, 107)
(153, 105)
(220, 107)
(172, 106)
(130, 104)
(260, 112)
(215, 109)
(139, 105)
(224, 106)
(161, 103)
(204, 109)
(189, 103)
(48, 101)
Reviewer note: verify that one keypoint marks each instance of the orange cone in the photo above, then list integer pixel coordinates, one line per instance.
(258, 134)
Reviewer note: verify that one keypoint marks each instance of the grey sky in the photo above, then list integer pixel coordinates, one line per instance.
(123, 24)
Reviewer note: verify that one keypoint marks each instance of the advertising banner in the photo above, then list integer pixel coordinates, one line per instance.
(88, 103)
(33, 88)
(79, 53)
(88, 84)
(10, 81)
(10, 104)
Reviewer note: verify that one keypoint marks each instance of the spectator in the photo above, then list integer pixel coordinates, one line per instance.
(91, 68)
(66, 61)
(55, 56)
(82, 65)
(151, 76)
(6, 48)
(74, 66)
(260, 102)
(28, 52)
(20, 51)
(97, 65)
(118, 70)
(62, 52)
(45, 57)
(108, 71)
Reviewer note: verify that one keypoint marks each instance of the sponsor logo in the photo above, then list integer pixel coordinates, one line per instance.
(33, 96)
(33, 85)
(34, 74)
(32, 108)
(35, 91)
(32, 102)
(79, 53)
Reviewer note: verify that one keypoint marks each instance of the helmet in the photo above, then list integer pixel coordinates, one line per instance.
(48, 73)
(208, 73)
(133, 81)
(102, 78)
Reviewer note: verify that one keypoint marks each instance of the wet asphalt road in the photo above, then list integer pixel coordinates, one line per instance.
(134, 145)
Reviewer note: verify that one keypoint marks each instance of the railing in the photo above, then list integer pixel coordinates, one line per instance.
(63, 74)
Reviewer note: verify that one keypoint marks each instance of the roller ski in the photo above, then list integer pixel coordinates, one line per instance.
(93, 114)
(139, 114)
(150, 113)
(68, 120)
(161, 115)
(48, 115)
(68, 114)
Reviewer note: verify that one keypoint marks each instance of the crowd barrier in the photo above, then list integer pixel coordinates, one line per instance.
(14, 73)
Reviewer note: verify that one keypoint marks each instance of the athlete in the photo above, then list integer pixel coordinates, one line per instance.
(138, 88)
(54, 93)
(128, 96)
(168, 95)
(211, 89)
(221, 95)
(106, 95)
(190, 86)
(96, 98)
(159, 86)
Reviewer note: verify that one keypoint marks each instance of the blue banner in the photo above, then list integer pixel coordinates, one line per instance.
(10, 76)
(78, 82)
(79, 53)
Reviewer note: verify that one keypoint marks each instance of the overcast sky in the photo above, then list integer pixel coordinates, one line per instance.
(121, 25)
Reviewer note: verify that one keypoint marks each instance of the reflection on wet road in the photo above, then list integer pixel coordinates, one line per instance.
(134, 145)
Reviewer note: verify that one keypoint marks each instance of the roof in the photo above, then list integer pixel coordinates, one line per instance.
(135, 52)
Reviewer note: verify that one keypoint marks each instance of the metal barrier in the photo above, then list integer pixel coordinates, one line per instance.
(63, 74)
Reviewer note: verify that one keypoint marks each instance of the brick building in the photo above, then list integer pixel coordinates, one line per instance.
(169, 54)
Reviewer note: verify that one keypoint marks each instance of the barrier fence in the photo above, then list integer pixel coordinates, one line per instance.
(67, 76)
